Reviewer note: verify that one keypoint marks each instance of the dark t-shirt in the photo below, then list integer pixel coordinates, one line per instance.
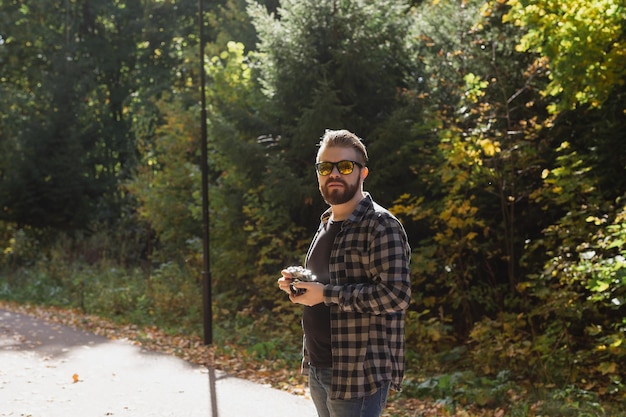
(316, 319)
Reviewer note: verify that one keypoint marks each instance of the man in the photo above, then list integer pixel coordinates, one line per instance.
(354, 312)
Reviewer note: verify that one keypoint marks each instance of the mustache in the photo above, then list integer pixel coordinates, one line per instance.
(337, 181)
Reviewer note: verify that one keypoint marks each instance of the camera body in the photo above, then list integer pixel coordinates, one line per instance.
(299, 274)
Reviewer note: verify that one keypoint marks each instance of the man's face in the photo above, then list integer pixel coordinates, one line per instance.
(337, 188)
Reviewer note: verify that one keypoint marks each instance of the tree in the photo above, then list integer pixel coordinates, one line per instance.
(580, 44)
(328, 64)
(70, 81)
(479, 163)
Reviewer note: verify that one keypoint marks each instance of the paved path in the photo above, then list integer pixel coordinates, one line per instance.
(49, 370)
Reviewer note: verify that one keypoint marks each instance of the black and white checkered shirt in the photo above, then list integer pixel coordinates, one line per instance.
(368, 295)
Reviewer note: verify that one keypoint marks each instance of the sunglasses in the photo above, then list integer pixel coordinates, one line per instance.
(344, 167)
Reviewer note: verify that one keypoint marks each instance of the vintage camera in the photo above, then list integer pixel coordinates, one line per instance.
(299, 274)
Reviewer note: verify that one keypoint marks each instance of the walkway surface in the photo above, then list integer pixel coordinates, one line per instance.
(49, 370)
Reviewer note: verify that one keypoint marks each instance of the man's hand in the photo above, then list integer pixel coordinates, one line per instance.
(285, 281)
(314, 293)
(314, 290)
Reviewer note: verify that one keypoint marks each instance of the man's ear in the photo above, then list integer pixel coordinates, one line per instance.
(364, 173)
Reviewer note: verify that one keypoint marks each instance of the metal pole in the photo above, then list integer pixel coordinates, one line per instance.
(206, 265)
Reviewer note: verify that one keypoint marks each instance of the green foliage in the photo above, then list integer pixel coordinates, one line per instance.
(274, 337)
(571, 401)
(89, 273)
(581, 286)
(580, 44)
(320, 65)
(66, 84)
(174, 298)
(474, 261)
(503, 342)
(345, 54)
(459, 389)
(165, 183)
(480, 167)
(19, 246)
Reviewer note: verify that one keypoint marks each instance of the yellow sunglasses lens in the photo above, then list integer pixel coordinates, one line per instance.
(344, 167)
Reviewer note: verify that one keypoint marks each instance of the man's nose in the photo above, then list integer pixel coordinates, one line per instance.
(335, 171)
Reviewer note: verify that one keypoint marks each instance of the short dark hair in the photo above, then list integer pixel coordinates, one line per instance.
(344, 139)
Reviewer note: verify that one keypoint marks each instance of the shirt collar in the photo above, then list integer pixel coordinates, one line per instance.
(357, 214)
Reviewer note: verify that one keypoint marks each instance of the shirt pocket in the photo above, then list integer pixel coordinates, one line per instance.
(356, 266)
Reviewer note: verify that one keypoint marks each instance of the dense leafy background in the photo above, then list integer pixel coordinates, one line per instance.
(496, 133)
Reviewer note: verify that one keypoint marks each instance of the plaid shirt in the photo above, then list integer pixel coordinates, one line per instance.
(368, 295)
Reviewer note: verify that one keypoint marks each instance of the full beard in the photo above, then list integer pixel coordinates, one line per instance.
(337, 196)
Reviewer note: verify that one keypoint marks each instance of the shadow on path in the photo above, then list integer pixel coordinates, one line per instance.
(22, 332)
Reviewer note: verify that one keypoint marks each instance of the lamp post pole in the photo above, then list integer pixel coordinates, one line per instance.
(206, 264)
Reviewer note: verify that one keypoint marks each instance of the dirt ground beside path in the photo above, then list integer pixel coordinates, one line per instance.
(49, 370)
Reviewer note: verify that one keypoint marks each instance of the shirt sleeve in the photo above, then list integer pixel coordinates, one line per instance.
(380, 283)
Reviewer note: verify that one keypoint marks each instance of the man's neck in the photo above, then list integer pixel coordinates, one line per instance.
(341, 212)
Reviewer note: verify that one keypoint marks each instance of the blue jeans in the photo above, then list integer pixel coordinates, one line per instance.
(369, 406)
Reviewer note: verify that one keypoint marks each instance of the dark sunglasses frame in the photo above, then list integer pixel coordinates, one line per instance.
(347, 170)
